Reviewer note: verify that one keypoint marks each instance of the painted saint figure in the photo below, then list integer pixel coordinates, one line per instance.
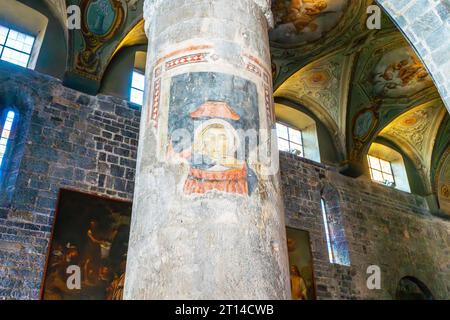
(214, 165)
(298, 285)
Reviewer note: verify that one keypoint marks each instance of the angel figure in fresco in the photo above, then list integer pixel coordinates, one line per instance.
(302, 13)
(406, 72)
(298, 285)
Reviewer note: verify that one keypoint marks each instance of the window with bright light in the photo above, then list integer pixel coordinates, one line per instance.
(290, 140)
(381, 171)
(15, 47)
(6, 134)
(337, 245)
(327, 231)
(137, 88)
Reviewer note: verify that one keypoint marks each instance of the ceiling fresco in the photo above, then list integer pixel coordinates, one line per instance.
(362, 84)
(104, 24)
(303, 21)
(309, 30)
(388, 80)
(399, 73)
(415, 132)
(319, 86)
(443, 183)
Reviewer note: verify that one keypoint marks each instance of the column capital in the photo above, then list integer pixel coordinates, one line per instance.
(151, 5)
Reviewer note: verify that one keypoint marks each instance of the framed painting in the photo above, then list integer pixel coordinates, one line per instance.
(300, 265)
(88, 249)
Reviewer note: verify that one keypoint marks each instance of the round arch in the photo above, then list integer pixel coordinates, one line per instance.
(411, 288)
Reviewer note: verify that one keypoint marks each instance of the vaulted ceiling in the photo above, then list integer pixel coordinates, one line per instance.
(363, 85)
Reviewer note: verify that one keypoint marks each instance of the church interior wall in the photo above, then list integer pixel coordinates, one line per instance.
(85, 143)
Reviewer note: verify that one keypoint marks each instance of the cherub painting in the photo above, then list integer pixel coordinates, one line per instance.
(300, 21)
(399, 74)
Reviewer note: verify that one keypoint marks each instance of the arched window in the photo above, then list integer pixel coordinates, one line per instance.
(297, 133)
(22, 32)
(137, 88)
(15, 47)
(138, 79)
(387, 167)
(337, 244)
(7, 126)
(290, 140)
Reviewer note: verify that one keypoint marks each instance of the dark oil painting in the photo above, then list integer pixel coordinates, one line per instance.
(90, 233)
(300, 265)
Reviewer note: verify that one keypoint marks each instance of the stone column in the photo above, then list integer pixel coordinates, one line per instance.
(208, 218)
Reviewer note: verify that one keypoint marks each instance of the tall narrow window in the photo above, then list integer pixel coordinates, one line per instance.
(15, 47)
(137, 88)
(327, 231)
(6, 132)
(337, 245)
(290, 140)
(381, 171)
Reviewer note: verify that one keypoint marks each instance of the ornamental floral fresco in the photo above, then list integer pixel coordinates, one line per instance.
(413, 130)
(444, 184)
(304, 21)
(320, 82)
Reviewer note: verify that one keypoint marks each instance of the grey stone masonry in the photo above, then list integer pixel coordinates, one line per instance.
(89, 144)
(73, 141)
(426, 24)
(383, 226)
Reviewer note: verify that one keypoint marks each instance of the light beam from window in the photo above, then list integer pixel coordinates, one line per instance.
(6, 133)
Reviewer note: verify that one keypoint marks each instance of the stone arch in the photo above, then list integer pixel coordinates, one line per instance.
(17, 94)
(411, 288)
(424, 25)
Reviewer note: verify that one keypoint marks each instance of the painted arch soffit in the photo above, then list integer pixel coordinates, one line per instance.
(104, 24)
(388, 80)
(415, 132)
(322, 87)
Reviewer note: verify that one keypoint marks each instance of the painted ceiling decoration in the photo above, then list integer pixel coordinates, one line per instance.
(362, 84)
(307, 30)
(443, 182)
(104, 25)
(320, 84)
(298, 22)
(415, 132)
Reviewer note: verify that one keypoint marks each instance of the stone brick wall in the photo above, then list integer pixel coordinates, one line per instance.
(89, 144)
(73, 141)
(383, 226)
(426, 24)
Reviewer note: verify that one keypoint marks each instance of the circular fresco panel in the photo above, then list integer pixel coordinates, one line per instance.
(100, 16)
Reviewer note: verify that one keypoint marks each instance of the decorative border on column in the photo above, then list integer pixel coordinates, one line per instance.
(186, 60)
(154, 111)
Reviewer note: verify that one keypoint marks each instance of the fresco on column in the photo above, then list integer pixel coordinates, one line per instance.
(214, 108)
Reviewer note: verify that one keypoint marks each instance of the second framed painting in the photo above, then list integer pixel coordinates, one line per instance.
(300, 265)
